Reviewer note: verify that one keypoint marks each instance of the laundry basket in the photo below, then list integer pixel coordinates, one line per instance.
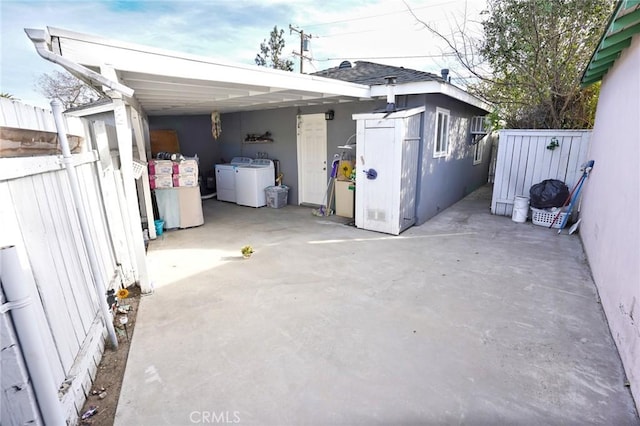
(276, 196)
(138, 168)
(544, 217)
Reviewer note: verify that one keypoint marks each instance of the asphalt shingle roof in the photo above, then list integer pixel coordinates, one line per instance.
(372, 74)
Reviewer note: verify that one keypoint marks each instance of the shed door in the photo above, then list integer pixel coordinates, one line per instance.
(312, 159)
(377, 210)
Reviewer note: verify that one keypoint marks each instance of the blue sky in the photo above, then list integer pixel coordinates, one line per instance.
(377, 30)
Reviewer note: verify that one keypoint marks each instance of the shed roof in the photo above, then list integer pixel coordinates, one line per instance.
(372, 74)
(623, 25)
(408, 81)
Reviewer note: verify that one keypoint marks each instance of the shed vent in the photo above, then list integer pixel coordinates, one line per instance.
(344, 64)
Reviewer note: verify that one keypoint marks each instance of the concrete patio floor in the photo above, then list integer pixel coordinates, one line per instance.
(467, 319)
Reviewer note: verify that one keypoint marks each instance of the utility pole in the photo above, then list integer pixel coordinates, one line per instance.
(304, 45)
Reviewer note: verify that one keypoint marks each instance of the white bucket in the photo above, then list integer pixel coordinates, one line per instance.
(520, 209)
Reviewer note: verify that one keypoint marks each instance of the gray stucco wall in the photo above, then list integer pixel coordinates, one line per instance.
(444, 180)
(194, 135)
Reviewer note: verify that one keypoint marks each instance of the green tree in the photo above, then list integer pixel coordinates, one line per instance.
(530, 59)
(66, 88)
(271, 52)
(9, 96)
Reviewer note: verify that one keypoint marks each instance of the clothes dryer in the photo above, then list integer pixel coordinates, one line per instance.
(252, 180)
(226, 178)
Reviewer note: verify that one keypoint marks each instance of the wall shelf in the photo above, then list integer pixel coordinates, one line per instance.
(258, 141)
(263, 138)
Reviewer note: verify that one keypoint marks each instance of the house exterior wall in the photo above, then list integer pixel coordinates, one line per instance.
(445, 180)
(194, 135)
(610, 228)
(195, 131)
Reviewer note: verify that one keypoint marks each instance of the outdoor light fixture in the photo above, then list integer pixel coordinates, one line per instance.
(329, 115)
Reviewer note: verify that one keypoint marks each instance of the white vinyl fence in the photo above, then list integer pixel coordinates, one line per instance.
(40, 217)
(527, 157)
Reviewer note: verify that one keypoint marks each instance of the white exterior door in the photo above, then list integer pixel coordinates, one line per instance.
(312, 159)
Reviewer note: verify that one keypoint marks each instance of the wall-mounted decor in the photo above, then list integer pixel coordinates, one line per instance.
(264, 138)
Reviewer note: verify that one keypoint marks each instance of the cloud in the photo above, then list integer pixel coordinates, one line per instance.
(228, 30)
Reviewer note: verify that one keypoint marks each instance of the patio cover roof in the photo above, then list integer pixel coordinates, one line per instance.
(164, 82)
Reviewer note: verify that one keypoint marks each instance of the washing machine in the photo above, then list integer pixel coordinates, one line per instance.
(251, 181)
(226, 178)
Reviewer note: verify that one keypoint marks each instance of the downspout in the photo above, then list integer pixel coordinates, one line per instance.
(92, 78)
(67, 160)
(14, 276)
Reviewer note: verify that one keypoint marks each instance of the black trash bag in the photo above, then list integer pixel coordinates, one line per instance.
(548, 193)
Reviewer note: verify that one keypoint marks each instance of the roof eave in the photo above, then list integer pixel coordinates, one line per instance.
(42, 42)
(144, 59)
(433, 87)
(623, 25)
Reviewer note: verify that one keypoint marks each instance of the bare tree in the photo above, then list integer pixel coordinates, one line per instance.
(529, 57)
(65, 88)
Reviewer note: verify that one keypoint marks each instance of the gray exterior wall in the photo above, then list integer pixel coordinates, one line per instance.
(443, 181)
(194, 135)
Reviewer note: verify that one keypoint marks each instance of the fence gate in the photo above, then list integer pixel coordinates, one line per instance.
(526, 157)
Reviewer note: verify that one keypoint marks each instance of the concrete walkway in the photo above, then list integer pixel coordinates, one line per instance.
(467, 319)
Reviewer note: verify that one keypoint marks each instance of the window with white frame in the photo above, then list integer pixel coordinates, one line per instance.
(441, 147)
(477, 152)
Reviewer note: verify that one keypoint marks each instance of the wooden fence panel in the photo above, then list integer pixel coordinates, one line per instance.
(39, 236)
(12, 235)
(22, 116)
(74, 267)
(523, 160)
(95, 212)
(38, 214)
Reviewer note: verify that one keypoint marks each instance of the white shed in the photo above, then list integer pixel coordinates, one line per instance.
(387, 153)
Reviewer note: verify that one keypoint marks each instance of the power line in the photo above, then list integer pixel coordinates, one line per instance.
(349, 33)
(388, 57)
(377, 16)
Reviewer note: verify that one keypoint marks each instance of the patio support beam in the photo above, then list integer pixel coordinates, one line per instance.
(136, 121)
(133, 110)
(125, 149)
